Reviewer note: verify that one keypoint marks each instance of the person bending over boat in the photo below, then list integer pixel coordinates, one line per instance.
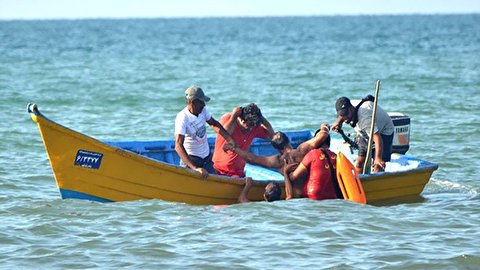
(319, 166)
(243, 124)
(360, 118)
(287, 154)
(191, 142)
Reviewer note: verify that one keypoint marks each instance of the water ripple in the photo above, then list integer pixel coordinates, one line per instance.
(123, 80)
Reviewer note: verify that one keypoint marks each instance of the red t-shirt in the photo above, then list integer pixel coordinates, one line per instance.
(229, 163)
(319, 185)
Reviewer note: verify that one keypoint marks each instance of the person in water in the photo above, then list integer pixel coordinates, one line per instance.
(287, 154)
(191, 142)
(360, 118)
(243, 124)
(273, 191)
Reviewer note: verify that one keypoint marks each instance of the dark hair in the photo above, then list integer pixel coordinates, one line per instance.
(251, 113)
(327, 140)
(273, 192)
(280, 140)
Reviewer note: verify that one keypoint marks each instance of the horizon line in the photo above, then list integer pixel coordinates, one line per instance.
(236, 16)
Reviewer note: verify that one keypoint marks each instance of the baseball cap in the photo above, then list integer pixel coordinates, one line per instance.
(195, 92)
(342, 106)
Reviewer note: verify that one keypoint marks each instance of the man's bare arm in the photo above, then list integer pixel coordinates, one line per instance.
(316, 141)
(265, 161)
(289, 193)
(219, 129)
(268, 127)
(182, 153)
(232, 122)
(243, 198)
(299, 173)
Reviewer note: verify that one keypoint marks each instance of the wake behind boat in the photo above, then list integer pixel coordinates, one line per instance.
(86, 168)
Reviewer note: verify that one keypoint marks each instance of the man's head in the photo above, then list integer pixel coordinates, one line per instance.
(251, 115)
(280, 141)
(273, 192)
(194, 92)
(345, 109)
(195, 98)
(342, 105)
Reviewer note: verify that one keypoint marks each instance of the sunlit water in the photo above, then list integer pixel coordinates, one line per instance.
(124, 80)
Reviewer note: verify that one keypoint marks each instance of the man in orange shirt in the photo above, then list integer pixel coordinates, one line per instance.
(243, 125)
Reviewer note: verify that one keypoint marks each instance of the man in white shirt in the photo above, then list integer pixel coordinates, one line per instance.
(360, 117)
(191, 142)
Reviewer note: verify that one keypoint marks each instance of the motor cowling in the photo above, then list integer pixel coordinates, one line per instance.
(401, 135)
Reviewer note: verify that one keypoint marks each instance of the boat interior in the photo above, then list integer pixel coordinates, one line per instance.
(164, 151)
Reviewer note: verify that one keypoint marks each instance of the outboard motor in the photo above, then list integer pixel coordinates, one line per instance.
(401, 135)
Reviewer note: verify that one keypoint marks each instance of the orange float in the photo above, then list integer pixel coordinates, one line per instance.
(349, 180)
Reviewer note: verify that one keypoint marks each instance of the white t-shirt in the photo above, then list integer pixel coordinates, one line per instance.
(383, 122)
(193, 127)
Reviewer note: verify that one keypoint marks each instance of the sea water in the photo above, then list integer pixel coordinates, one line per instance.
(125, 80)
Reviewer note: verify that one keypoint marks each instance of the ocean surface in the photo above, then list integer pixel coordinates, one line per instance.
(125, 79)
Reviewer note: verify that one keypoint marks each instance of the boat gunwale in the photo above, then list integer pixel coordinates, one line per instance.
(425, 167)
(429, 166)
(158, 164)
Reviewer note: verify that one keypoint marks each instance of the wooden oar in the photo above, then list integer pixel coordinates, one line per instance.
(367, 165)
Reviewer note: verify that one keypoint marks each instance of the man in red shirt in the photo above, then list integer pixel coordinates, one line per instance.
(243, 125)
(319, 165)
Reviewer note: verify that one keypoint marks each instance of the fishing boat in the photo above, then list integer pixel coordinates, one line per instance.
(113, 171)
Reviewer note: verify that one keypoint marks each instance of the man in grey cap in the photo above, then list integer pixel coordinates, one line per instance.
(191, 142)
(360, 118)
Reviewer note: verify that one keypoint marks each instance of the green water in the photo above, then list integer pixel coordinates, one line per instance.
(124, 80)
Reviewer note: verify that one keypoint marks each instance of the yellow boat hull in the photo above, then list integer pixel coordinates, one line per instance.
(120, 175)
